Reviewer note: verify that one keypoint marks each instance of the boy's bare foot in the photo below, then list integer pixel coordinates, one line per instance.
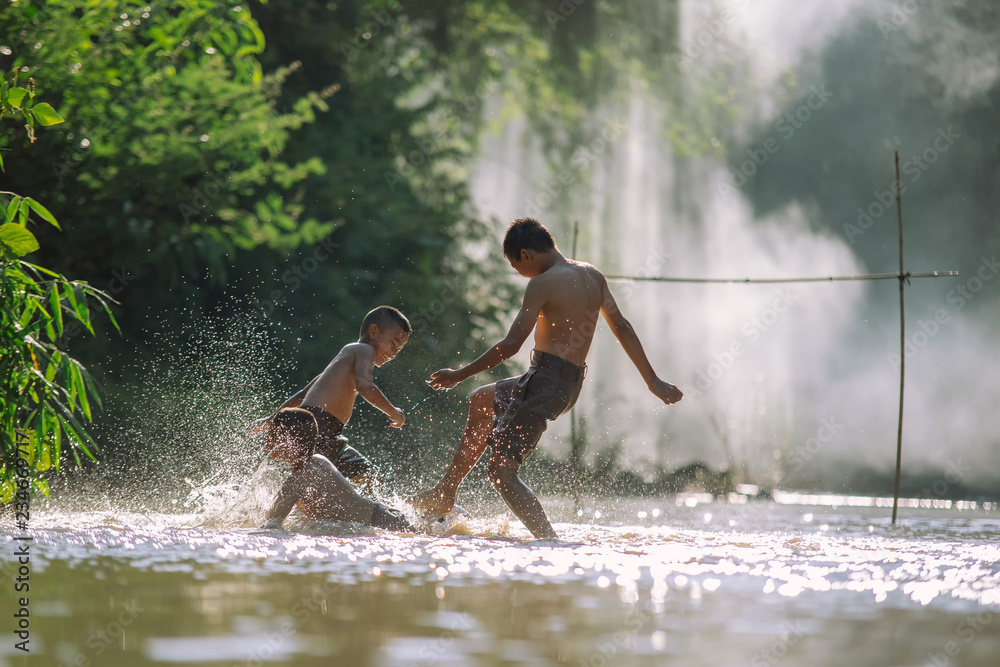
(432, 501)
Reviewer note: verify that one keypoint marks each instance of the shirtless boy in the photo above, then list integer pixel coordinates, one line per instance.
(329, 399)
(561, 303)
(317, 488)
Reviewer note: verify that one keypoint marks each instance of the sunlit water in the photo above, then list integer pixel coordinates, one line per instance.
(673, 580)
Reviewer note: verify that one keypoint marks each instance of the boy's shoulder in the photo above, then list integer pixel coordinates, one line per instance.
(356, 349)
(569, 271)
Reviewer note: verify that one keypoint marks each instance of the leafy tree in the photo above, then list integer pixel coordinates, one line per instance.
(173, 154)
(44, 392)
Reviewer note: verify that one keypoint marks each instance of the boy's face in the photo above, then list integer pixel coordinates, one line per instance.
(387, 341)
(525, 264)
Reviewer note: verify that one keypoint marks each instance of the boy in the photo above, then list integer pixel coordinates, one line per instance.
(330, 396)
(315, 486)
(561, 302)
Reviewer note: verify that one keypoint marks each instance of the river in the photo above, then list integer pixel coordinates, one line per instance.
(679, 580)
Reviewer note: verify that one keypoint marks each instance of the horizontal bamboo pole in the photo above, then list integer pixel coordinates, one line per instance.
(870, 276)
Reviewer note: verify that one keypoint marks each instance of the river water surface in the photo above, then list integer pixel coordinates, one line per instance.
(679, 580)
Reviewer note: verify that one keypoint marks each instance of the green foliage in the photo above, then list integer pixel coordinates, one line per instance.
(44, 392)
(19, 102)
(215, 169)
(175, 136)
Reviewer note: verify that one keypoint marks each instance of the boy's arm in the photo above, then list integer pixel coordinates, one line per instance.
(283, 504)
(531, 306)
(623, 331)
(364, 382)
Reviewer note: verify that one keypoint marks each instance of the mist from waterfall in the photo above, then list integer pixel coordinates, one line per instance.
(788, 383)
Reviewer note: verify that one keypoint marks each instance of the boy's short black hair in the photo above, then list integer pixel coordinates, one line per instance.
(384, 316)
(526, 234)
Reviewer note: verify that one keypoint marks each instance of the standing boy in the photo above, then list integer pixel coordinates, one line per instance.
(561, 302)
(330, 396)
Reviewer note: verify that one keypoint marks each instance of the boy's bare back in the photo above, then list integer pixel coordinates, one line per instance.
(569, 297)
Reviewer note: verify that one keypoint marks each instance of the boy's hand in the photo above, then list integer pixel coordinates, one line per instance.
(666, 392)
(259, 426)
(446, 378)
(398, 420)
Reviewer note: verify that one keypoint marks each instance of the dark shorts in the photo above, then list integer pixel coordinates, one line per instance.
(331, 444)
(523, 406)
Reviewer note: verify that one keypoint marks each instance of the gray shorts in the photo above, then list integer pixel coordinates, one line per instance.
(523, 406)
(331, 444)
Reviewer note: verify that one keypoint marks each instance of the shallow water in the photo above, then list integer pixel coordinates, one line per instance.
(673, 580)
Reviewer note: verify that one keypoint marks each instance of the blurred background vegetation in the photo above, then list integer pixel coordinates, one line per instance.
(248, 179)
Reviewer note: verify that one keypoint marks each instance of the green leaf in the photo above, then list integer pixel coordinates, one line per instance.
(18, 239)
(56, 307)
(43, 212)
(7, 490)
(79, 302)
(81, 392)
(111, 316)
(23, 213)
(45, 114)
(12, 209)
(15, 96)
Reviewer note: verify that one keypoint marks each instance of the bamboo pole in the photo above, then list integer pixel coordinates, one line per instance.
(823, 279)
(902, 346)
(575, 446)
(902, 276)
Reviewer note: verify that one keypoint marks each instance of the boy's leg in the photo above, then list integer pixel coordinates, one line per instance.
(519, 498)
(440, 499)
(356, 467)
(337, 500)
(365, 483)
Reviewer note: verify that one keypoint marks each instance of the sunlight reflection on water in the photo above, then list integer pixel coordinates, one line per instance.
(649, 577)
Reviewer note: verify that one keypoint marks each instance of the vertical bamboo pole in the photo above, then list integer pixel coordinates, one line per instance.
(902, 346)
(575, 447)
